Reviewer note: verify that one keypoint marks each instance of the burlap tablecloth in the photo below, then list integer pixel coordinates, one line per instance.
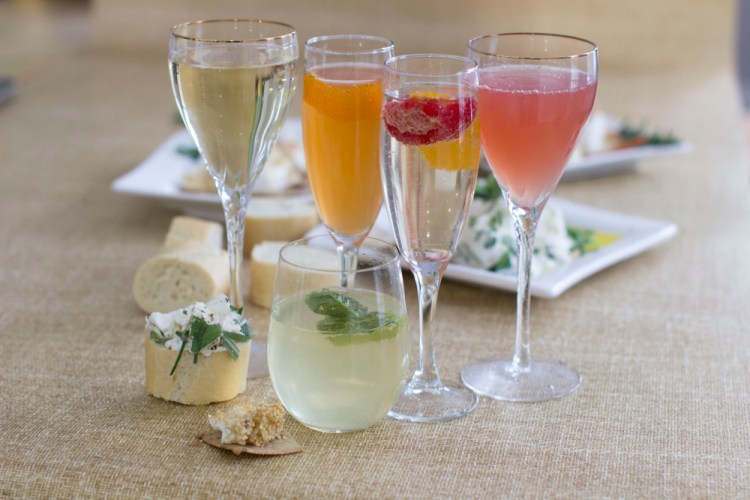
(661, 340)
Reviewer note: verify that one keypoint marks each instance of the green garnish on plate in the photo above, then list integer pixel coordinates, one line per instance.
(588, 240)
(641, 136)
(189, 151)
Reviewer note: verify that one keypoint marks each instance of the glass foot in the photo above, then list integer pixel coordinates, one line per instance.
(437, 404)
(543, 381)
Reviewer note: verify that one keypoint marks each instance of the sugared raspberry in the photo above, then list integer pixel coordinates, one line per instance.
(421, 120)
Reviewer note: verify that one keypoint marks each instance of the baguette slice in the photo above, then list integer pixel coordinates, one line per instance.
(181, 277)
(212, 379)
(276, 219)
(264, 260)
(187, 231)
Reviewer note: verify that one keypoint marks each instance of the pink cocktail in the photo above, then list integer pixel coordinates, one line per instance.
(531, 118)
(536, 91)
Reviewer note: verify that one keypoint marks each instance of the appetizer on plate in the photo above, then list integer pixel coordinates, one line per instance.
(604, 133)
(489, 241)
(284, 171)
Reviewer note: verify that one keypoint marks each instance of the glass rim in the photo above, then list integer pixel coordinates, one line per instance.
(387, 44)
(291, 34)
(594, 47)
(391, 60)
(381, 244)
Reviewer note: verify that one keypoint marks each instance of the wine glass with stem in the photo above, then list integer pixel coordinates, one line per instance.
(233, 80)
(341, 100)
(430, 157)
(536, 92)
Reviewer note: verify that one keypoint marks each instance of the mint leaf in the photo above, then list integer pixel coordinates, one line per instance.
(211, 333)
(347, 318)
(203, 334)
(197, 329)
(332, 303)
(386, 331)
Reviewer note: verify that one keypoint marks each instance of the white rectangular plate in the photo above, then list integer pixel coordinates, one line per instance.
(635, 235)
(159, 175)
(619, 160)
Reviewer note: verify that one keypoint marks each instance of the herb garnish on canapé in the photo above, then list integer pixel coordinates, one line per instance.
(202, 334)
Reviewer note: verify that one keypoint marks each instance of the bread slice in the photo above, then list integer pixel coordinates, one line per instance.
(187, 231)
(212, 379)
(263, 272)
(276, 219)
(264, 260)
(181, 277)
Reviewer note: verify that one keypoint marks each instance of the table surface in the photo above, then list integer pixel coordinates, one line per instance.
(662, 340)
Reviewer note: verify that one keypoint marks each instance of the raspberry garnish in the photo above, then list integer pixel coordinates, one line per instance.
(425, 119)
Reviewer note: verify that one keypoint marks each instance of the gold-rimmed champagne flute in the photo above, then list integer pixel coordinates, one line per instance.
(536, 92)
(233, 80)
(341, 99)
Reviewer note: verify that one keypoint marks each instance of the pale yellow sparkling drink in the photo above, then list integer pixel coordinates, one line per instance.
(338, 357)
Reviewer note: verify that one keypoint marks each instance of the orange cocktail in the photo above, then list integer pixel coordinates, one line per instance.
(341, 123)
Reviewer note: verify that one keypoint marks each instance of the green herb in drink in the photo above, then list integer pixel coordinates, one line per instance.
(349, 321)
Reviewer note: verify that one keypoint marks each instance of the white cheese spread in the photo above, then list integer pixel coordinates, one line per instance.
(170, 327)
(489, 239)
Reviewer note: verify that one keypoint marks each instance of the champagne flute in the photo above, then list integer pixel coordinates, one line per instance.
(342, 95)
(429, 162)
(536, 91)
(233, 81)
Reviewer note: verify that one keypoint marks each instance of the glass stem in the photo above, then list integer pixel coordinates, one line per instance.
(234, 203)
(428, 283)
(524, 222)
(347, 263)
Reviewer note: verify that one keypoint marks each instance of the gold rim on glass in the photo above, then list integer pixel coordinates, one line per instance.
(176, 27)
(387, 44)
(593, 46)
(469, 65)
(375, 243)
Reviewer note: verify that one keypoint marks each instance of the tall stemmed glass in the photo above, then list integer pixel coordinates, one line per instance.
(342, 95)
(536, 91)
(233, 80)
(429, 161)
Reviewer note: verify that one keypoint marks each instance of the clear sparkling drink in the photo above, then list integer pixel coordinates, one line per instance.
(430, 157)
(233, 105)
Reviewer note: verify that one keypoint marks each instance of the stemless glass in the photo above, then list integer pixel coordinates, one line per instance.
(342, 95)
(430, 141)
(536, 91)
(338, 357)
(233, 81)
